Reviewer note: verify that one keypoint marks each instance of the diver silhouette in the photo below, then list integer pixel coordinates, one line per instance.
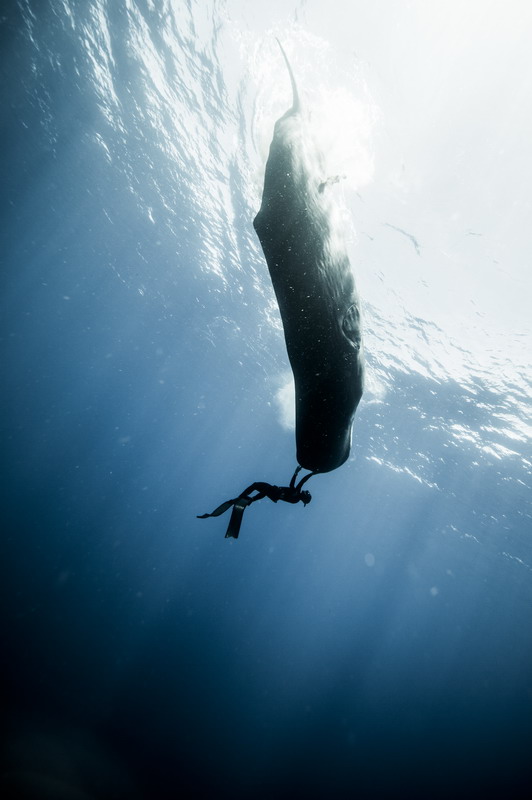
(289, 494)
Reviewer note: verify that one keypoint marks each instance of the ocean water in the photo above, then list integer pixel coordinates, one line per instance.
(378, 642)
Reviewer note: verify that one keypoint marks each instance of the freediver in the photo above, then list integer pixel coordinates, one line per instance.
(289, 494)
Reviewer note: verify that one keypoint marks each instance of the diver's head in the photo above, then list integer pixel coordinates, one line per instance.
(306, 497)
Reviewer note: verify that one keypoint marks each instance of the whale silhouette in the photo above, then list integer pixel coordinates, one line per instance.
(319, 306)
(315, 289)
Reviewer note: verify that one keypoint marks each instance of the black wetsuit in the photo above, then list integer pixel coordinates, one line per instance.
(289, 494)
(275, 493)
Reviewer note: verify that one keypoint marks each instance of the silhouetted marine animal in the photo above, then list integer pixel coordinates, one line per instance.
(319, 305)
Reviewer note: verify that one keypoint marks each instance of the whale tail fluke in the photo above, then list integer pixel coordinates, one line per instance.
(296, 105)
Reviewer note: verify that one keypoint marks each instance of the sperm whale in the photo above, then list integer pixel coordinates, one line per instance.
(315, 289)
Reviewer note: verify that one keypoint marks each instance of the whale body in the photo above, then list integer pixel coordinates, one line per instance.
(315, 289)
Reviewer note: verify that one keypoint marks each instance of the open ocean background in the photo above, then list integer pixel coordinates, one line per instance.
(379, 642)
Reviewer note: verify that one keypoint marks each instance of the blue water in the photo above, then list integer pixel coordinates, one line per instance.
(376, 643)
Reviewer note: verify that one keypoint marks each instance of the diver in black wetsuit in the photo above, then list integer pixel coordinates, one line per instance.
(290, 494)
